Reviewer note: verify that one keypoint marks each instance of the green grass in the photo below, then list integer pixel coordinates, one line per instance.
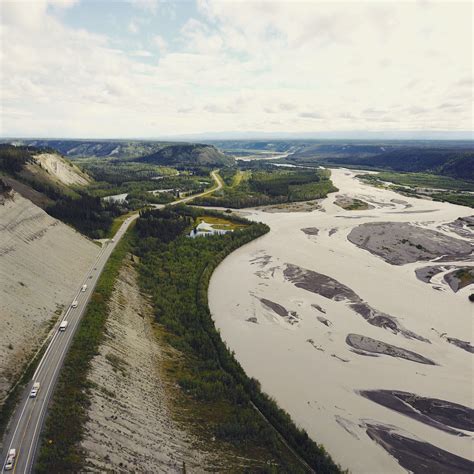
(460, 199)
(118, 221)
(239, 176)
(220, 223)
(67, 414)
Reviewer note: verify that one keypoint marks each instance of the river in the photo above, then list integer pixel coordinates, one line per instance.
(289, 327)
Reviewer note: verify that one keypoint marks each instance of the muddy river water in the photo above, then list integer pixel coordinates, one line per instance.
(327, 312)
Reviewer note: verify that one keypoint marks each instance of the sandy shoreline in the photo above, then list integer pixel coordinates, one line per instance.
(296, 345)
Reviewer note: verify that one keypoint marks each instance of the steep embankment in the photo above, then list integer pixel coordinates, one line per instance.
(129, 423)
(41, 266)
(61, 169)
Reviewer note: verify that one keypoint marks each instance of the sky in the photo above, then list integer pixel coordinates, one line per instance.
(151, 68)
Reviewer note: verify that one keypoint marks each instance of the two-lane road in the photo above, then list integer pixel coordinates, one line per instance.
(29, 416)
(25, 427)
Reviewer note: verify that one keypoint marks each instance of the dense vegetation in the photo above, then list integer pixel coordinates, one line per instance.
(13, 158)
(137, 179)
(89, 215)
(270, 186)
(117, 172)
(455, 163)
(438, 188)
(189, 155)
(421, 180)
(175, 270)
(73, 205)
(67, 414)
(455, 159)
(121, 149)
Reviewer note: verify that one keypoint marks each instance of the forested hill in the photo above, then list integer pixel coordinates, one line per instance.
(455, 163)
(189, 155)
(120, 149)
(158, 152)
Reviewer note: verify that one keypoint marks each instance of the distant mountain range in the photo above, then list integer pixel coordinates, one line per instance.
(453, 158)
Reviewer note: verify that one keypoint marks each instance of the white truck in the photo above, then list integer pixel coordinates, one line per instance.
(11, 458)
(74, 304)
(63, 326)
(84, 288)
(35, 390)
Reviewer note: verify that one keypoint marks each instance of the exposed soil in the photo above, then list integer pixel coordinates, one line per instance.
(130, 427)
(418, 456)
(373, 346)
(63, 170)
(399, 242)
(291, 317)
(305, 206)
(310, 230)
(460, 278)
(352, 204)
(42, 263)
(441, 414)
(332, 289)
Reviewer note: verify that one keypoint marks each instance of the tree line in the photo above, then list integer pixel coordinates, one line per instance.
(175, 270)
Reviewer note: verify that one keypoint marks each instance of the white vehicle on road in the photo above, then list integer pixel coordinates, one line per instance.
(74, 304)
(35, 390)
(63, 326)
(84, 288)
(10, 462)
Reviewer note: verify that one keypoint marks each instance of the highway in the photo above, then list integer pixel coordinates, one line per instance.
(25, 427)
(27, 421)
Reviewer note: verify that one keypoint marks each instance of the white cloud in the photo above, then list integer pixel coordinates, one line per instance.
(265, 66)
(149, 6)
(160, 43)
(133, 27)
(141, 53)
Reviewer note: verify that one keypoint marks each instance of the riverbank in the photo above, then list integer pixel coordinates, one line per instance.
(309, 346)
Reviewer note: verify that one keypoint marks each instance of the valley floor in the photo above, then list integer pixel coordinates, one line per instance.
(344, 335)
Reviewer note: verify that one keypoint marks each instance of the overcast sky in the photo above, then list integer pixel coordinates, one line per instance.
(147, 68)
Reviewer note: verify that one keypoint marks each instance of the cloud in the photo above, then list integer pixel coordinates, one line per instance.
(133, 27)
(311, 115)
(141, 53)
(266, 66)
(149, 6)
(160, 43)
(30, 14)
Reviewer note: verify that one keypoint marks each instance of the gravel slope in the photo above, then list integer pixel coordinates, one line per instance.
(130, 428)
(42, 262)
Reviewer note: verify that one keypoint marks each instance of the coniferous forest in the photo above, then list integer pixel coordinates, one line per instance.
(175, 270)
